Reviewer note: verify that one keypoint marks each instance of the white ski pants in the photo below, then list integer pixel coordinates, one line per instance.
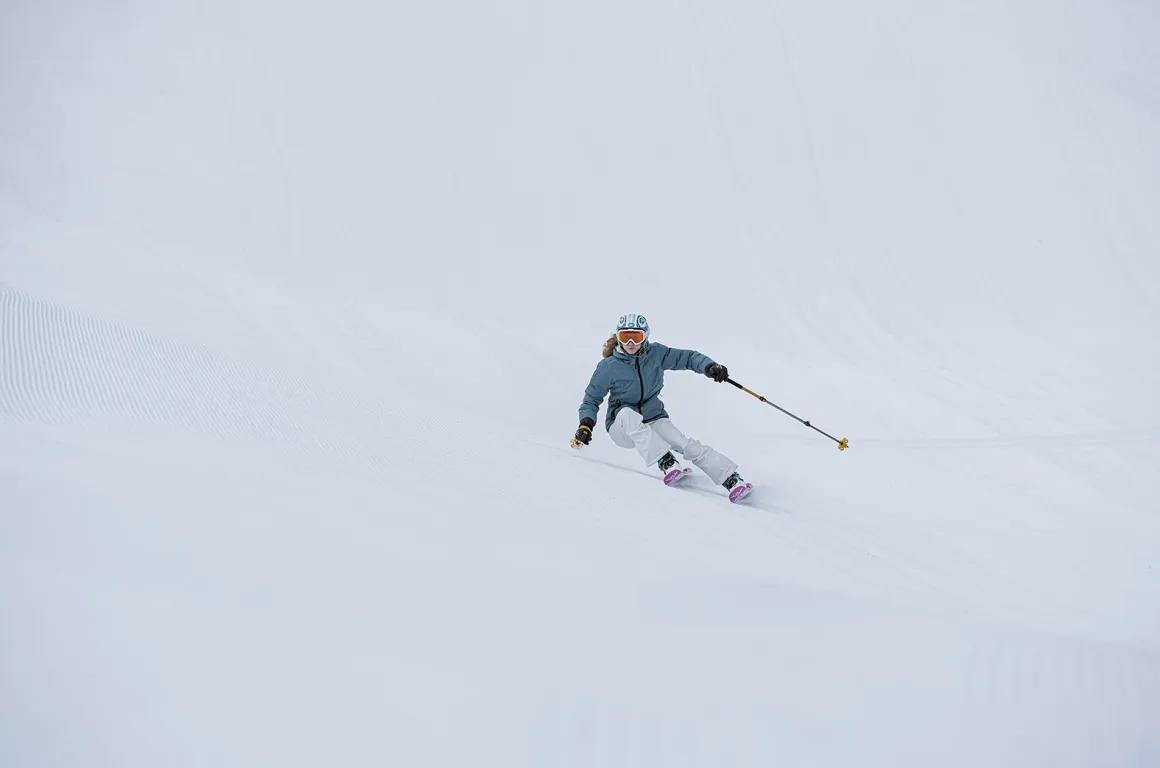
(655, 439)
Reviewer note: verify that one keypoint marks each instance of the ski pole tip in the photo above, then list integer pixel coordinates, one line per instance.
(843, 444)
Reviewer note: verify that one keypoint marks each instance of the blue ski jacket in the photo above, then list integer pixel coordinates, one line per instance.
(635, 381)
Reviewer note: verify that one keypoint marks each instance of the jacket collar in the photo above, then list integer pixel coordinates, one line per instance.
(624, 357)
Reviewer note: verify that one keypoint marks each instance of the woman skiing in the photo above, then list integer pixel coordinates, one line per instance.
(631, 375)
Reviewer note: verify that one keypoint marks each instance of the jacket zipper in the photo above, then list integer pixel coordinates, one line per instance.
(640, 403)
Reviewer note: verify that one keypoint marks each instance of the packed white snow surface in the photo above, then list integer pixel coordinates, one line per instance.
(298, 301)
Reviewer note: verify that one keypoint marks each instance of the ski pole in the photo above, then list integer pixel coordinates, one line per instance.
(843, 444)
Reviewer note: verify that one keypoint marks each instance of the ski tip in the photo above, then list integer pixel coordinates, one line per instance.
(676, 475)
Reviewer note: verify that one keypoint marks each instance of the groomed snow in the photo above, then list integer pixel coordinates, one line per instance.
(298, 302)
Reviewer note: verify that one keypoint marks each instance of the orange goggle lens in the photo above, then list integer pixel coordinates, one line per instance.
(626, 336)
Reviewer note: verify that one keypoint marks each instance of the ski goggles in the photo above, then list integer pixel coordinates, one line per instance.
(629, 334)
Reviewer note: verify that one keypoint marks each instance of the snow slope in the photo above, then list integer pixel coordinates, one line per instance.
(297, 305)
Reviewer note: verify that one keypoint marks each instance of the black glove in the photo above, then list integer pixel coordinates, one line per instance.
(717, 372)
(583, 434)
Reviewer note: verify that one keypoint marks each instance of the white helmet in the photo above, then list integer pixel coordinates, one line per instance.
(632, 322)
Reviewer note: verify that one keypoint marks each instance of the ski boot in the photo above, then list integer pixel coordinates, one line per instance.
(738, 488)
(672, 469)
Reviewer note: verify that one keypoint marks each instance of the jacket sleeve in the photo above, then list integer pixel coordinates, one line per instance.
(682, 359)
(597, 390)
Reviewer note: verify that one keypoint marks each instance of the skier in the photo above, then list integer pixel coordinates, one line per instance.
(631, 375)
